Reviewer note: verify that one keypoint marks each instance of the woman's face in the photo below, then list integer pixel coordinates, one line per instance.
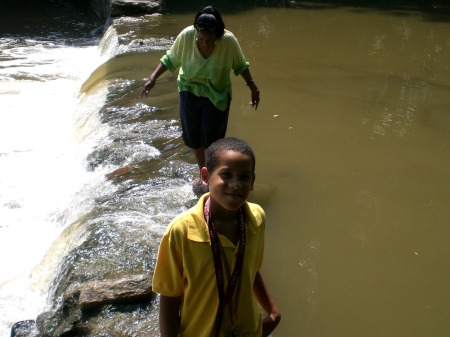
(206, 37)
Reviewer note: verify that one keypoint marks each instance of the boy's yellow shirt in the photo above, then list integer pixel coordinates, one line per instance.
(185, 268)
(206, 77)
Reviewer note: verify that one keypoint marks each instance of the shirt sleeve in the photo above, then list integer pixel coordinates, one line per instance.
(260, 227)
(239, 61)
(172, 59)
(168, 273)
(263, 229)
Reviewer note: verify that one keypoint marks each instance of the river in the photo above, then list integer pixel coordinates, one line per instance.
(352, 142)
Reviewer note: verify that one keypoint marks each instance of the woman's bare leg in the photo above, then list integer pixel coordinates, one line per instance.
(201, 162)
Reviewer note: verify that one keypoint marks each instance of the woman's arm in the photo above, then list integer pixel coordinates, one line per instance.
(160, 69)
(263, 297)
(171, 61)
(169, 316)
(253, 87)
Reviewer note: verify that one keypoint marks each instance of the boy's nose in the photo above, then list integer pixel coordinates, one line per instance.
(235, 183)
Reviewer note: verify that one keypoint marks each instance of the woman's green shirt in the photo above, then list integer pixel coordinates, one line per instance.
(206, 77)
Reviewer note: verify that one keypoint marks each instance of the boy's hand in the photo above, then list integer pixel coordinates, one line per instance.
(264, 299)
(270, 322)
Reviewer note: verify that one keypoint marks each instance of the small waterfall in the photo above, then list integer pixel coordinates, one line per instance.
(41, 163)
(93, 224)
(110, 43)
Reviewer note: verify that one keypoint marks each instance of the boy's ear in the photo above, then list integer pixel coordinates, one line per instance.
(253, 182)
(205, 176)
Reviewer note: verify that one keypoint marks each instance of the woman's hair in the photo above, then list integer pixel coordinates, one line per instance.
(211, 17)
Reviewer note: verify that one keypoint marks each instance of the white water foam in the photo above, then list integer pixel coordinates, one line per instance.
(41, 163)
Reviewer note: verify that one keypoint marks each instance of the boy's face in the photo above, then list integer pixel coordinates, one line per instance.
(231, 181)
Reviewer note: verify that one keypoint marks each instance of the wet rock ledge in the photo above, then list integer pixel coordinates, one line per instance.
(84, 307)
(105, 9)
(132, 7)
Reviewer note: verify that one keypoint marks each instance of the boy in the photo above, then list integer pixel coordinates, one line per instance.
(207, 270)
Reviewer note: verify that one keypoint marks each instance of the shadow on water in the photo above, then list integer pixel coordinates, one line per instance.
(60, 21)
(224, 6)
(67, 20)
(431, 10)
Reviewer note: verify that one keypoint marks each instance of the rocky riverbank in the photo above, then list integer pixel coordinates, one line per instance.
(86, 310)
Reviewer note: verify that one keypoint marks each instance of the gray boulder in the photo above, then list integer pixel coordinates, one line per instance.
(99, 308)
(25, 329)
(134, 7)
(135, 288)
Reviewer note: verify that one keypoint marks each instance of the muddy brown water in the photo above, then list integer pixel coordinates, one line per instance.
(352, 139)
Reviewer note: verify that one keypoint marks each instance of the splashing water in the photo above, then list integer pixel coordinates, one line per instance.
(41, 167)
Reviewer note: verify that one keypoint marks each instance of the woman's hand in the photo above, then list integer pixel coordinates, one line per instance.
(247, 76)
(160, 69)
(147, 87)
(254, 96)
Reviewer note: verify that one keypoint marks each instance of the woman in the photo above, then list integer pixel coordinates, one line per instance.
(205, 53)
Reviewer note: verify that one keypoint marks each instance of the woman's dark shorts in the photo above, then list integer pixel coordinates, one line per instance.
(201, 121)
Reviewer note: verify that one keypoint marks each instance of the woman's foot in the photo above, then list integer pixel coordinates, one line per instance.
(198, 186)
(197, 182)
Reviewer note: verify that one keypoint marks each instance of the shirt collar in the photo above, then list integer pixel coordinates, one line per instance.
(198, 229)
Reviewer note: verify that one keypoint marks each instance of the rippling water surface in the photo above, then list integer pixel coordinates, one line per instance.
(352, 140)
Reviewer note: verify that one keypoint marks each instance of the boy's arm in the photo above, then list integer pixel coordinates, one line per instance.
(169, 316)
(263, 297)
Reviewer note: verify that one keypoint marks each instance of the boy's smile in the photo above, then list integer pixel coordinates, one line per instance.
(231, 181)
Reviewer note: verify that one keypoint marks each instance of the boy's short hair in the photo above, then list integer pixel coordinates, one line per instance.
(214, 151)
